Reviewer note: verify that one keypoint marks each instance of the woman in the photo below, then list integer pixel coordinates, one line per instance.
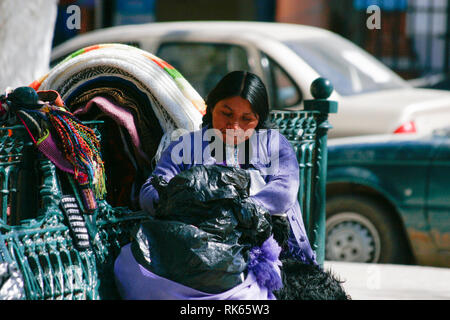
(237, 111)
(239, 105)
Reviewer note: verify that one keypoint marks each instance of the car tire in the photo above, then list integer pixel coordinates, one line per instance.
(359, 229)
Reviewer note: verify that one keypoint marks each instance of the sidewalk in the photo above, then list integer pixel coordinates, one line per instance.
(392, 282)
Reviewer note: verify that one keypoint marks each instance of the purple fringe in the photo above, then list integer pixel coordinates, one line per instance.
(263, 262)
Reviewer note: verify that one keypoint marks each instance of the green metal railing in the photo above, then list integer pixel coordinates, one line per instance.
(35, 233)
(307, 131)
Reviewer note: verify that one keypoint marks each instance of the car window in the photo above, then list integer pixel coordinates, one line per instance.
(203, 64)
(350, 69)
(283, 91)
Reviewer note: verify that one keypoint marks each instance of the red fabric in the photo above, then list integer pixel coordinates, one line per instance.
(35, 85)
(51, 96)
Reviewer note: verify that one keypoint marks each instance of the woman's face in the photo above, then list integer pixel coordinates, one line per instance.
(235, 119)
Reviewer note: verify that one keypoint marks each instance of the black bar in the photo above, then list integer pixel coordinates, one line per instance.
(447, 41)
(428, 63)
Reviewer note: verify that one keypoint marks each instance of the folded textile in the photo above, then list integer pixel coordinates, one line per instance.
(122, 117)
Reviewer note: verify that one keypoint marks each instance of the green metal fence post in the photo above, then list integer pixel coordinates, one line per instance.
(321, 89)
(26, 196)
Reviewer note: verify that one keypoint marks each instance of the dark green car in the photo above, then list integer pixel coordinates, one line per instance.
(388, 199)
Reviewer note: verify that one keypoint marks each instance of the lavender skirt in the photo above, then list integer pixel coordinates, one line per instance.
(134, 282)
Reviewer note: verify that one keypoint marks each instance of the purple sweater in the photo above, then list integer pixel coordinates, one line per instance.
(272, 155)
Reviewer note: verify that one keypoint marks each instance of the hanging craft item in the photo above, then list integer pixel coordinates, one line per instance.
(61, 137)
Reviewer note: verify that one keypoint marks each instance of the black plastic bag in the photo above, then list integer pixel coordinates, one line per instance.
(203, 228)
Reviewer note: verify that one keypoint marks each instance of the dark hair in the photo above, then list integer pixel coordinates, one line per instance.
(245, 85)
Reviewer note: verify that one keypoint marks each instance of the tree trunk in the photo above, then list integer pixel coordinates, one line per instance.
(26, 34)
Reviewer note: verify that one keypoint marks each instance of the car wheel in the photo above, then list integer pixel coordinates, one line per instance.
(358, 229)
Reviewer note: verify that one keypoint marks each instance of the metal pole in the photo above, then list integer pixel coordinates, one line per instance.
(98, 12)
(321, 89)
(447, 42)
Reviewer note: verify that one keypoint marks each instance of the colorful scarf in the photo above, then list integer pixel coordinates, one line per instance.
(67, 142)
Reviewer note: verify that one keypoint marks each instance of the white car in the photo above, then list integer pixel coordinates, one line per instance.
(288, 57)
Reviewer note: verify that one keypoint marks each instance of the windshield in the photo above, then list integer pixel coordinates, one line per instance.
(350, 69)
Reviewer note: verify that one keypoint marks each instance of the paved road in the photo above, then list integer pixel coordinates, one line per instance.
(392, 282)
